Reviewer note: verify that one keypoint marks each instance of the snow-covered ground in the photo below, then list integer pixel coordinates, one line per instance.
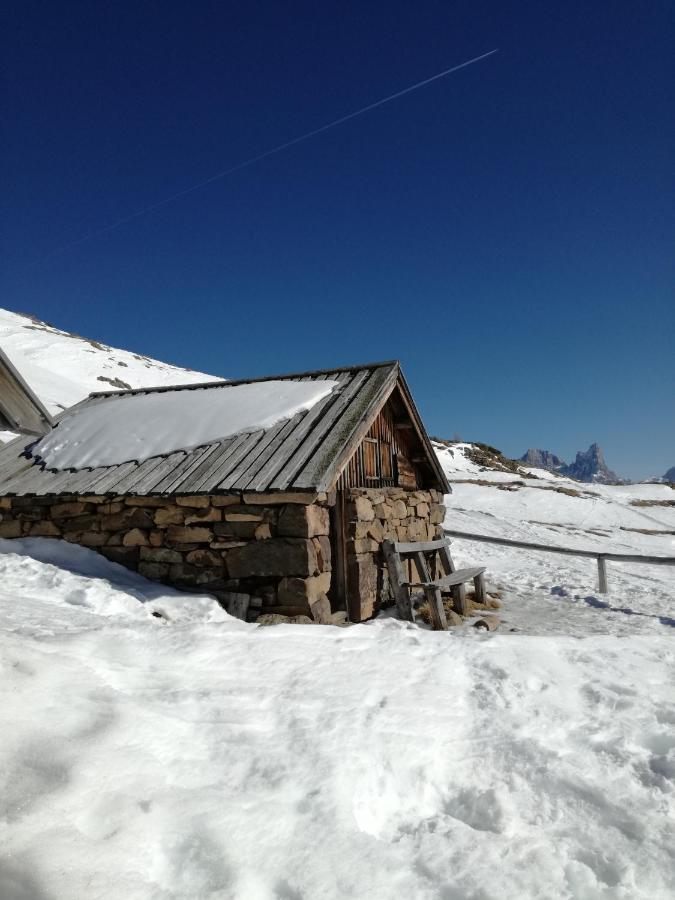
(63, 368)
(201, 757)
(552, 594)
(188, 755)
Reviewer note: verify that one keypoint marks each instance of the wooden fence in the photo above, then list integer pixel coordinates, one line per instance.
(601, 558)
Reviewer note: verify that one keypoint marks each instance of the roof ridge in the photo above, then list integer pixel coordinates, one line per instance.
(236, 382)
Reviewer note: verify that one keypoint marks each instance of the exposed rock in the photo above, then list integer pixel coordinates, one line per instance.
(542, 459)
(591, 467)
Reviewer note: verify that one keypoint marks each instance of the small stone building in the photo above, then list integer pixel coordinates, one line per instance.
(292, 516)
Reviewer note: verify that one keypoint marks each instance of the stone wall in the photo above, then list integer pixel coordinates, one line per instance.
(377, 514)
(273, 547)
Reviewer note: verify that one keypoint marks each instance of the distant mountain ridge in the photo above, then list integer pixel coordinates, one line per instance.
(589, 466)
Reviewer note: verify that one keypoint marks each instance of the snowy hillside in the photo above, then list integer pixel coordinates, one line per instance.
(63, 368)
(547, 593)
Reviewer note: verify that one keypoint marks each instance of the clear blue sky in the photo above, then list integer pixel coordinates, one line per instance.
(506, 232)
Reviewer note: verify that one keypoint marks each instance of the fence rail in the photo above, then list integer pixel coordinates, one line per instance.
(601, 558)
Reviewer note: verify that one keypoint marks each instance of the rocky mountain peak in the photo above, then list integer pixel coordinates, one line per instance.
(542, 459)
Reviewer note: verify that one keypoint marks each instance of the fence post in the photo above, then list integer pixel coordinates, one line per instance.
(602, 574)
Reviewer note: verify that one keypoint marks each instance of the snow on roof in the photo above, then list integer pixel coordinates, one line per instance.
(109, 431)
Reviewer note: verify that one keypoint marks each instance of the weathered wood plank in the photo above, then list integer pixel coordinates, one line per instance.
(279, 473)
(399, 582)
(334, 453)
(204, 474)
(191, 461)
(241, 453)
(248, 467)
(568, 551)
(304, 468)
(404, 547)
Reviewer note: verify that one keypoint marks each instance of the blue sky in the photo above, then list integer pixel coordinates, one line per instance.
(506, 232)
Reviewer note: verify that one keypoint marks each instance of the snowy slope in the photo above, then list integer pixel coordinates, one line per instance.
(194, 756)
(63, 368)
(547, 593)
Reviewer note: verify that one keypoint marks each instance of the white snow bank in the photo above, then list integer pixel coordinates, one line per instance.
(64, 578)
(156, 761)
(115, 430)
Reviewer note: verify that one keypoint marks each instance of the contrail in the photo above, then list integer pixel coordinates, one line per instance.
(260, 156)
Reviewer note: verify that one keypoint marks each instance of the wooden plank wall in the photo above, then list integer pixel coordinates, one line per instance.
(383, 457)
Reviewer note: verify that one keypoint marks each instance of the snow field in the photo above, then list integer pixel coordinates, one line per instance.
(200, 757)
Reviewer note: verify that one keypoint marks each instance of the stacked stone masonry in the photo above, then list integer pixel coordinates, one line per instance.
(375, 515)
(273, 547)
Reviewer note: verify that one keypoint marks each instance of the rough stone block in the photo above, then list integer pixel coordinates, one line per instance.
(153, 570)
(363, 509)
(303, 521)
(278, 556)
(362, 586)
(365, 545)
(160, 555)
(399, 509)
(422, 510)
(196, 502)
(195, 534)
(156, 538)
(135, 538)
(148, 502)
(125, 556)
(130, 517)
(169, 515)
(303, 591)
(225, 500)
(93, 539)
(66, 510)
(108, 509)
(323, 552)
(208, 514)
(437, 514)
(204, 557)
(262, 532)
(10, 529)
(44, 529)
(243, 514)
(321, 611)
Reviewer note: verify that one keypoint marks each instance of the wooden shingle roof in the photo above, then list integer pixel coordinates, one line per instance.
(304, 453)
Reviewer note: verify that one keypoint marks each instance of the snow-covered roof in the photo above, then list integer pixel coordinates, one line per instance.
(282, 433)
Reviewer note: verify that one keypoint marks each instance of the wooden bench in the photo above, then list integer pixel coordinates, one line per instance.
(396, 552)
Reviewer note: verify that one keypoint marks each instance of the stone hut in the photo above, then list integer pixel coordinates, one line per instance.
(201, 487)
